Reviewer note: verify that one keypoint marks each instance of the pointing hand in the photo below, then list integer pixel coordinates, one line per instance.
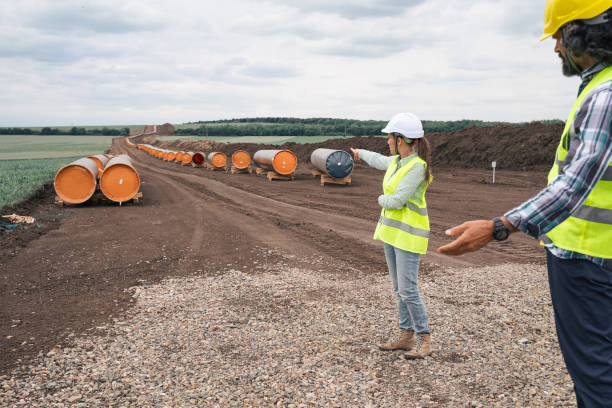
(473, 235)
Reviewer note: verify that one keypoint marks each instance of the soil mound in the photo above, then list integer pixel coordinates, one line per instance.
(513, 147)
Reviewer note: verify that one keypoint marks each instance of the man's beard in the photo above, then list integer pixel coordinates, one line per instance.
(567, 68)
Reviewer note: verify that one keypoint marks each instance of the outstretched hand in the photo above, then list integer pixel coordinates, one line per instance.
(473, 235)
(355, 153)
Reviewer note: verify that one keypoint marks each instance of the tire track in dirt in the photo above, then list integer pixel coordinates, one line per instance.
(274, 223)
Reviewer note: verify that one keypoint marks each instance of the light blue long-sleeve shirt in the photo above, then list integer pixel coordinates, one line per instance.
(410, 186)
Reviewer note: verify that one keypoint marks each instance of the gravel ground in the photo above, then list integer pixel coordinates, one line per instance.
(296, 336)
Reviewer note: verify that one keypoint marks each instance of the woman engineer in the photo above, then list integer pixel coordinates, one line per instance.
(404, 225)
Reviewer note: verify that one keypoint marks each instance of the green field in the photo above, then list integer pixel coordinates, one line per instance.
(27, 162)
(274, 140)
(18, 178)
(41, 147)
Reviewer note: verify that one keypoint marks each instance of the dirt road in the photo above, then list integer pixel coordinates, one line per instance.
(69, 274)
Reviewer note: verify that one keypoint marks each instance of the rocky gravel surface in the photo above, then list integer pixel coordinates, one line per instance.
(304, 334)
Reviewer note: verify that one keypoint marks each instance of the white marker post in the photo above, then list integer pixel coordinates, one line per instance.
(493, 164)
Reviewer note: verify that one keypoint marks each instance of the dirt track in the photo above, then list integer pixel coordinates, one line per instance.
(69, 275)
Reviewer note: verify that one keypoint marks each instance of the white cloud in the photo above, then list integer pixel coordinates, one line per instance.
(131, 61)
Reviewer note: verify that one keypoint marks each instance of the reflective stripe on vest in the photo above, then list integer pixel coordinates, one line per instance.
(589, 230)
(417, 209)
(404, 227)
(408, 227)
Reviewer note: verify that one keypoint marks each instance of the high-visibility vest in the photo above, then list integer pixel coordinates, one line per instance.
(589, 229)
(407, 228)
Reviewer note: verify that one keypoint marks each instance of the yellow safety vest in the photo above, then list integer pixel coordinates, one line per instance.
(407, 228)
(589, 229)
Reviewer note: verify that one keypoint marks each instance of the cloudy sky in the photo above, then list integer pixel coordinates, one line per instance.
(105, 62)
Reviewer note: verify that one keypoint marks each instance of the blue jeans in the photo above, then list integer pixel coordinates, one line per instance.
(404, 270)
(581, 294)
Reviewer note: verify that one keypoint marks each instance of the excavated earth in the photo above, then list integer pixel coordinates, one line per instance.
(68, 273)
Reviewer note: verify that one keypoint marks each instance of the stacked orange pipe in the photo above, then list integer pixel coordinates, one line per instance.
(119, 181)
(75, 183)
(100, 160)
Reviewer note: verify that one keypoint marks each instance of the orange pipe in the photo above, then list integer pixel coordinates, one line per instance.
(217, 159)
(120, 181)
(100, 160)
(75, 183)
(187, 157)
(283, 162)
(241, 159)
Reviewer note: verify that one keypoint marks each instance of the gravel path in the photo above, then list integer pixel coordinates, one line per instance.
(290, 336)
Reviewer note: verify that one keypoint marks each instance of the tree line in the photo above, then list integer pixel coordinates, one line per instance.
(276, 126)
(269, 126)
(74, 131)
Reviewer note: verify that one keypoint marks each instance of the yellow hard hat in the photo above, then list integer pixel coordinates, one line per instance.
(559, 12)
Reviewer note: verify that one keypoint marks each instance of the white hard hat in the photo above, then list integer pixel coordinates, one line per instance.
(407, 124)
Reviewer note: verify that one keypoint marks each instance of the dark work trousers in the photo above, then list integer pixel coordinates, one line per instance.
(581, 295)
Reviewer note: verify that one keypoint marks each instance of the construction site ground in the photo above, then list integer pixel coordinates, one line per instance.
(68, 274)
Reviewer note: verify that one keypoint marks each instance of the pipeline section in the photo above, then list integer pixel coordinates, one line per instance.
(335, 163)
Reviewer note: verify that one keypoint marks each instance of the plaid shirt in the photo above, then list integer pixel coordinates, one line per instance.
(591, 150)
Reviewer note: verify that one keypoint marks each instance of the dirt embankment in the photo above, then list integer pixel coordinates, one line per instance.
(513, 147)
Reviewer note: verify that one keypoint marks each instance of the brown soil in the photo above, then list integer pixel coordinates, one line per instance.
(69, 273)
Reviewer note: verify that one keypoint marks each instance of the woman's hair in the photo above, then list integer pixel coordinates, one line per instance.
(579, 37)
(424, 151)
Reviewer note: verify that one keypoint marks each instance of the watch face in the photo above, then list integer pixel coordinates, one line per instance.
(501, 235)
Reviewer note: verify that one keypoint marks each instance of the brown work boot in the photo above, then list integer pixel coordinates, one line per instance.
(405, 342)
(423, 349)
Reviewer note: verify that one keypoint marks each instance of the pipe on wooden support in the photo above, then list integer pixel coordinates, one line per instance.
(198, 158)
(119, 181)
(217, 159)
(283, 162)
(335, 163)
(75, 183)
(171, 156)
(187, 157)
(241, 159)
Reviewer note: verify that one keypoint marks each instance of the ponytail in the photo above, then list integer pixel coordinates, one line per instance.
(424, 152)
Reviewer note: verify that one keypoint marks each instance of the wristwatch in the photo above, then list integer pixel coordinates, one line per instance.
(500, 232)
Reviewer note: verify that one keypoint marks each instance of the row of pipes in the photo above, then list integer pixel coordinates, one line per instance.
(117, 179)
(114, 176)
(283, 162)
(335, 163)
